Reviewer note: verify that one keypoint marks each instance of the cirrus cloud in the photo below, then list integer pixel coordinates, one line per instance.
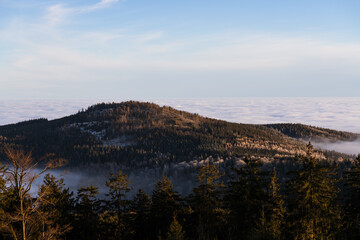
(58, 12)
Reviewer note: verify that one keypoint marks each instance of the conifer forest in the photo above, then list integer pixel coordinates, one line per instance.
(317, 201)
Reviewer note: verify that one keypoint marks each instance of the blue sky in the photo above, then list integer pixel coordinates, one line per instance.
(183, 49)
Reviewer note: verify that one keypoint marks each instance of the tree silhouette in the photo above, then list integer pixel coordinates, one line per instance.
(118, 185)
(313, 210)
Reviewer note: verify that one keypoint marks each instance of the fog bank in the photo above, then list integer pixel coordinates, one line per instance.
(352, 148)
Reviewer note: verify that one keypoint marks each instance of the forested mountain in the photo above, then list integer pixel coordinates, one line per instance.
(136, 135)
(146, 141)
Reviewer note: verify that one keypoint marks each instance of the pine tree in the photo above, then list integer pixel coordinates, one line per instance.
(166, 203)
(118, 186)
(175, 231)
(206, 202)
(141, 207)
(246, 198)
(273, 212)
(276, 209)
(56, 208)
(313, 210)
(86, 223)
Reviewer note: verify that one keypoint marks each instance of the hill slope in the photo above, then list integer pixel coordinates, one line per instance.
(137, 135)
(311, 133)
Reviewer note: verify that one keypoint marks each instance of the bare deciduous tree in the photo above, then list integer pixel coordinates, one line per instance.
(20, 173)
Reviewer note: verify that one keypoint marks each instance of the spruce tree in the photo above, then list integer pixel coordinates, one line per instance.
(246, 199)
(175, 231)
(141, 209)
(273, 212)
(165, 203)
(313, 210)
(118, 186)
(206, 201)
(56, 208)
(86, 223)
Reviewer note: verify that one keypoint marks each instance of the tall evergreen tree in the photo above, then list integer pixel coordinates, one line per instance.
(166, 203)
(246, 199)
(206, 201)
(118, 186)
(175, 231)
(56, 208)
(86, 224)
(313, 210)
(273, 212)
(141, 207)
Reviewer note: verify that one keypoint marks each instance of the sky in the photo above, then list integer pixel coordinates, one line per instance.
(133, 49)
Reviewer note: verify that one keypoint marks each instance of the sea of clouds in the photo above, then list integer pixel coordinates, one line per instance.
(335, 113)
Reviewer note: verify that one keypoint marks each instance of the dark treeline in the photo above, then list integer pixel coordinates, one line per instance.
(317, 201)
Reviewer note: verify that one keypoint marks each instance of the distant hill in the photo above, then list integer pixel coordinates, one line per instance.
(311, 133)
(139, 135)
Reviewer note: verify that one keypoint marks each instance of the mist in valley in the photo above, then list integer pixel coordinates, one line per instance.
(182, 175)
(145, 179)
(348, 147)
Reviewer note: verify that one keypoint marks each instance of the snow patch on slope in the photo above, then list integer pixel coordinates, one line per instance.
(122, 141)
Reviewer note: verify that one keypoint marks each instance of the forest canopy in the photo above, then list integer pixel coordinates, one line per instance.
(313, 203)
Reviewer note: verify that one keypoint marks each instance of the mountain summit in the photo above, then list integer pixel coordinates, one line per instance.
(137, 134)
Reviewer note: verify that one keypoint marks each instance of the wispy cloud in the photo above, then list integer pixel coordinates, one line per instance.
(101, 4)
(41, 53)
(58, 12)
(150, 37)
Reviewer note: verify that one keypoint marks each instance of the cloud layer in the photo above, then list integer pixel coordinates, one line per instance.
(335, 113)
